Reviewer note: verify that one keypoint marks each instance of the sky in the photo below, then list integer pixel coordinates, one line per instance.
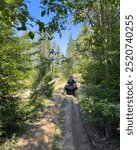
(71, 29)
(62, 42)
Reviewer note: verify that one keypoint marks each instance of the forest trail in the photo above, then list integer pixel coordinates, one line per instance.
(75, 137)
(41, 136)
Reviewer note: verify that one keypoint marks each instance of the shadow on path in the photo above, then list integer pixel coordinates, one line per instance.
(39, 137)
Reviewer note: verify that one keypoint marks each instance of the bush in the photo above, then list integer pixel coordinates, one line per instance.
(9, 144)
(11, 115)
(42, 86)
(101, 113)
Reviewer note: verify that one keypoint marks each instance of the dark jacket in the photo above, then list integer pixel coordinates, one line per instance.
(71, 82)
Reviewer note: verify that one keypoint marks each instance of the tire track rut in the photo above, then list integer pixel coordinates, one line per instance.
(75, 137)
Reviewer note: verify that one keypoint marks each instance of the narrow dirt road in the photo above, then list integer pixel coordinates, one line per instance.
(74, 137)
(41, 135)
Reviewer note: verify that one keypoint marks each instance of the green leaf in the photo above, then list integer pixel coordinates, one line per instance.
(31, 35)
(23, 26)
(41, 26)
(43, 13)
(19, 28)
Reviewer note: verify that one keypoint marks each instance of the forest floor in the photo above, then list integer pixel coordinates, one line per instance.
(61, 127)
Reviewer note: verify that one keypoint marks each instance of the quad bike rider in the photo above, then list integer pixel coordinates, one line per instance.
(71, 86)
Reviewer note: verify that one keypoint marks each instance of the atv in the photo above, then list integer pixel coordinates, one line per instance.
(71, 89)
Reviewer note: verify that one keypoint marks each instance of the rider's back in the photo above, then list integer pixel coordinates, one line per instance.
(71, 82)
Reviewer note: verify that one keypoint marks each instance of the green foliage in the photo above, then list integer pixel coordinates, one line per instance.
(45, 75)
(11, 117)
(9, 144)
(100, 112)
(29, 78)
(12, 71)
(70, 62)
(67, 67)
(99, 44)
(31, 35)
(16, 14)
(96, 53)
(44, 88)
(57, 64)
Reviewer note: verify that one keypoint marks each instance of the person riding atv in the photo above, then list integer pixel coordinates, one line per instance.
(71, 86)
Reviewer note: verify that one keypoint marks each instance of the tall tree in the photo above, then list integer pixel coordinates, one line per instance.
(12, 72)
(58, 61)
(101, 72)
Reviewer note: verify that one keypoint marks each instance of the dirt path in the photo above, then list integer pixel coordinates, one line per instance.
(75, 137)
(41, 135)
